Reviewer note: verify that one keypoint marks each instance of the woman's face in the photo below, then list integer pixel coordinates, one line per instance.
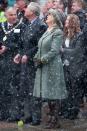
(50, 19)
(67, 22)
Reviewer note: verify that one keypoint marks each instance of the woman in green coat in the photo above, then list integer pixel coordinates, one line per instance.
(49, 81)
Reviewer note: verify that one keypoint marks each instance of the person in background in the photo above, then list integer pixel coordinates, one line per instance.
(3, 3)
(48, 5)
(85, 59)
(73, 56)
(11, 3)
(20, 7)
(3, 6)
(78, 8)
(49, 83)
(60, 6)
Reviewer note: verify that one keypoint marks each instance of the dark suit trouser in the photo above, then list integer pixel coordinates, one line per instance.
(26, 92)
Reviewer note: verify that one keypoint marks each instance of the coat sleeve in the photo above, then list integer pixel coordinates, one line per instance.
(55, 48)
(78, 46)
(36, 36)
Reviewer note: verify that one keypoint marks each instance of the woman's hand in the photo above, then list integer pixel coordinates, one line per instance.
(24, 59)
(38, 63)
(62, 49)
(17, 59)
(2, 49)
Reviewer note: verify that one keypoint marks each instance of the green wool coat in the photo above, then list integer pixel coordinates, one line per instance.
(49, 81)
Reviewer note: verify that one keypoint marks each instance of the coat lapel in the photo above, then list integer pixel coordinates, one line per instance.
(47, 33)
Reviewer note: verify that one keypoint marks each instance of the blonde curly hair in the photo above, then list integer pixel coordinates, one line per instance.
(74, 26)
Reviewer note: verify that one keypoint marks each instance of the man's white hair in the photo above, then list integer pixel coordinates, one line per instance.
(33, 6)
(10, 9)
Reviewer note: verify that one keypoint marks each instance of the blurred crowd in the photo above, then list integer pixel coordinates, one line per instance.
(43, 60)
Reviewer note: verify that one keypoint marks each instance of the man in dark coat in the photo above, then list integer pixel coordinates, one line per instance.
(21, 6)
(85, 59)
(10, 39)
(77, 8)
(32, 34)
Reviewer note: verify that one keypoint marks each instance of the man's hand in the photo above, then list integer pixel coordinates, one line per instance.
(2, 49)
(24, 59)
(17, 59)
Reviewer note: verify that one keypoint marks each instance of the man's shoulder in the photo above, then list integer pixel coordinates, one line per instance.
(39, 22)
(22, 25)
(80, 13)
(42, 25)
(3, 24)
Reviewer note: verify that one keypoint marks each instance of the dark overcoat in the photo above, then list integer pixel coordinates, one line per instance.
(32, 34)
(10, 70)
